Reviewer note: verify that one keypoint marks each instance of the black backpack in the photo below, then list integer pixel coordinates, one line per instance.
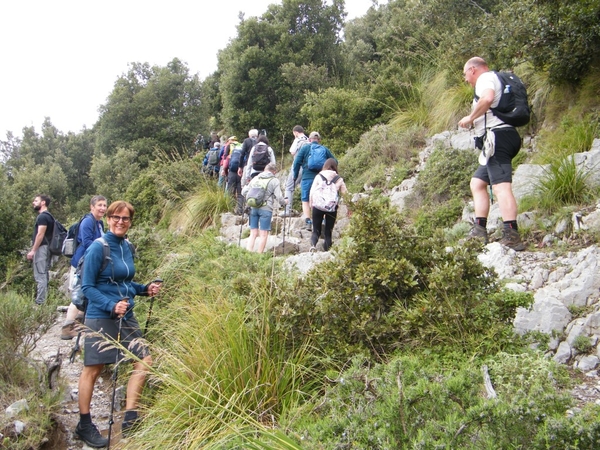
(513, 107)
(260, 157)
(59, 234)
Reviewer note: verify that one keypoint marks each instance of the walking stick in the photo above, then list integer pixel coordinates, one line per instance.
(157, 281)
(114, 378)
(242, 222)
(77, 347)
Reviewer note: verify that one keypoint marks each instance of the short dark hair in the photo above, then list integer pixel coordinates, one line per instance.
(262, 138)
(299, 129)
(118, 205)
(330, 164)
(45, 198)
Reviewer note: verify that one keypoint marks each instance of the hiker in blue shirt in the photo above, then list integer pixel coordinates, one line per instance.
(110, 317)
(90, 229)
(308, 175)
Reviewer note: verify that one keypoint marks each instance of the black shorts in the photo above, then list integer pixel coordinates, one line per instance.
(98, 348)
(499, 167)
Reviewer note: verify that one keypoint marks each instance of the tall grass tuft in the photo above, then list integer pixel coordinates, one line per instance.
(563, 184)
(225, 371)
(200, 210)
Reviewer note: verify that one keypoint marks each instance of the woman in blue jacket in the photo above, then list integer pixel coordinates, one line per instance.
(110, 316)
(91, 228)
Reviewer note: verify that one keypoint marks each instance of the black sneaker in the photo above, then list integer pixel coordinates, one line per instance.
(89, 434)
(128, 427)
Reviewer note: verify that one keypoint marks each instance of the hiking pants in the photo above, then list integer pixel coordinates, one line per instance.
(317, 221)
(41, 267)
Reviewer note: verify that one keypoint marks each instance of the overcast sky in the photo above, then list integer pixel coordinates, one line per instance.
(62, 57)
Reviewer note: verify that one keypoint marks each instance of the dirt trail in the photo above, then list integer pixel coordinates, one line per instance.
(68, 414)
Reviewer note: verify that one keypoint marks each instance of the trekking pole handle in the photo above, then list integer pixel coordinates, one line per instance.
(156, 281)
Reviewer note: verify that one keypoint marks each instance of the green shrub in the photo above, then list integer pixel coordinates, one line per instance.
(419, 401)
(391, 287)
(583, 344)
(563, 184)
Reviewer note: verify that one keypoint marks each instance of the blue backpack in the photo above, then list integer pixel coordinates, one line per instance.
(317, 157)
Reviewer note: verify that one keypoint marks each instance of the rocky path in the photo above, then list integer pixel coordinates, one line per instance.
(68, 414)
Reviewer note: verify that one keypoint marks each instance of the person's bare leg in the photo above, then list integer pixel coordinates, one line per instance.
(306, 210)
(481, 197)
(263, 236)
(136, 382)
(251, 239)
(506, 201)
(87, 379)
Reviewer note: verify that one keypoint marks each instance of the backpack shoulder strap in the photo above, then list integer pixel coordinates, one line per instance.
(105, 253)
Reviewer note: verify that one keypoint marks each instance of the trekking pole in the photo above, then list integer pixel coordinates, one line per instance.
(157, 281)
(242, 221)
(283, 246)
(114, 377)
(77, 347)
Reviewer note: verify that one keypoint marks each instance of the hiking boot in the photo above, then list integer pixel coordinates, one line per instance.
(130, 422)
(89, 434)
(308, 225)
(511, 239)
(478, 232)
(68, 332)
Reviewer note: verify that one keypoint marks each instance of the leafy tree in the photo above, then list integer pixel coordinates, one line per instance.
(113, 174)
(252, 82)
(151, 108)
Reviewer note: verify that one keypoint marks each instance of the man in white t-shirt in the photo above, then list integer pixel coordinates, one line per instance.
(496, 170)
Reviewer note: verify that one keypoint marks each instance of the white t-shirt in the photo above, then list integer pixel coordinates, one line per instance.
(487, 80)
(298, 142)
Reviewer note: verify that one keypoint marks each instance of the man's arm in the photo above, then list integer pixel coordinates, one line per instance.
(39, 238)
(483, 104)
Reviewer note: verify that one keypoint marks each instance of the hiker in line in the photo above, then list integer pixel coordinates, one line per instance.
(110, 317)
(260, 217)
(260, 156)
(211, 160)
(39, 253)
(290, 185)
(247, 146)
(222, 156)
(308, 175)
(498, 171)
(90, 229)
(324, 203)
(234, 180)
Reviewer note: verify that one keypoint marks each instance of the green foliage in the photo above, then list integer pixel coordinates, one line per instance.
(225, 371)
(202, 209)
(582, 344)
(149, 108)
(21, 376)
(564, 183)
(112, 175)
(419, 402)
(573, 135)
(303, 34)
(380, 148)
(391, 287)
(340, 115)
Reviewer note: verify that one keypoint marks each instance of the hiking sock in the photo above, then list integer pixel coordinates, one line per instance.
(511, 224)
(85, 419)
(481, 221)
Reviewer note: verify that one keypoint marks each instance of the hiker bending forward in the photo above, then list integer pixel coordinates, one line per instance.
(260, 218)
(110, 317)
